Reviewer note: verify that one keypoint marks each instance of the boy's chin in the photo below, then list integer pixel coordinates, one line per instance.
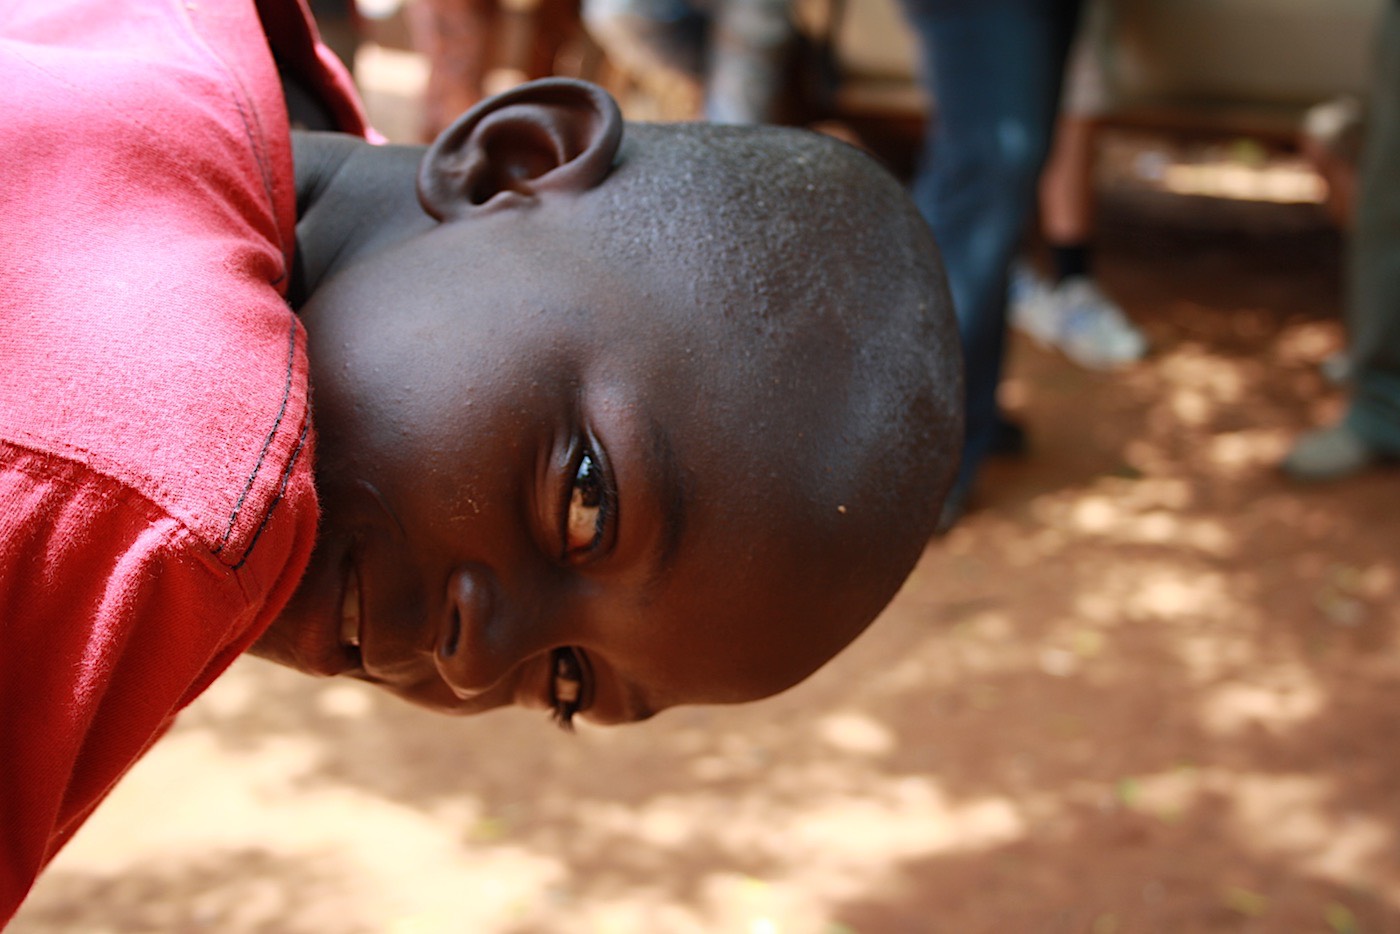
(295, 643)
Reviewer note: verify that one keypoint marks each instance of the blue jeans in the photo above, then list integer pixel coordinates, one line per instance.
(993, 69)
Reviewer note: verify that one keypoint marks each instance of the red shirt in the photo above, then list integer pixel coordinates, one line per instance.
(156, 497)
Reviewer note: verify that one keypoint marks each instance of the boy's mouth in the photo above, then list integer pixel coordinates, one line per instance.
(350, 610)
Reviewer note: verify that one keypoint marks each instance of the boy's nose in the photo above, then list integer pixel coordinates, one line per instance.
(471, 653)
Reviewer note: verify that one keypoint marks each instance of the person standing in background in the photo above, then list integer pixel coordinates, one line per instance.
(995, 68)
(1369, 432)
(1067, 310)
(736, 53)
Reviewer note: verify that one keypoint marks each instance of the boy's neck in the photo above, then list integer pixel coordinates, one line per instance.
(351, 197)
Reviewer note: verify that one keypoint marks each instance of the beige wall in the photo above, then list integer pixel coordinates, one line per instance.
(1294, 52)
(1244, 51)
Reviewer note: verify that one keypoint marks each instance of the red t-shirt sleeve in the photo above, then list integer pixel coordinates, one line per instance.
(156, 498)
(124, 617)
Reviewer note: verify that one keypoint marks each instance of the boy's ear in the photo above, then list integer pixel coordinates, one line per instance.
(555, 134)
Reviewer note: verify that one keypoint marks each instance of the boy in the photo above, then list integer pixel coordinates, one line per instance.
(603, 423)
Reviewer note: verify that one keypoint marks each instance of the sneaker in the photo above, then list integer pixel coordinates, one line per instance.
(1023, 284)
(1337, 369)
(1334, 453)
(1028, 300)
(1078, 319)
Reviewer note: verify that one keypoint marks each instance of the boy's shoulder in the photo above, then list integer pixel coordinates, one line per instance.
(156, 494)
(150, 223)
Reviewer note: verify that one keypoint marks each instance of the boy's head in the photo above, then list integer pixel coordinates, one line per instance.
(608, 425)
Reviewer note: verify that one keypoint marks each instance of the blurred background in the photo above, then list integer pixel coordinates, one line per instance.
(1148, 685)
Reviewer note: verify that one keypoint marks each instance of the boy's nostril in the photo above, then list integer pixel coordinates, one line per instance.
(454, 635)
(465, 622)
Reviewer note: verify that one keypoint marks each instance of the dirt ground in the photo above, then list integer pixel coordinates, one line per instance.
(1146, 686)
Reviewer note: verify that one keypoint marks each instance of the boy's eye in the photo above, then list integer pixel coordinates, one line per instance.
(588, 508)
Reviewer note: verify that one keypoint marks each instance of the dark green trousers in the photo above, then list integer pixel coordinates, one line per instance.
(1373, 306)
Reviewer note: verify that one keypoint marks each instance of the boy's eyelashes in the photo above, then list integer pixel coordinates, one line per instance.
(588, 514)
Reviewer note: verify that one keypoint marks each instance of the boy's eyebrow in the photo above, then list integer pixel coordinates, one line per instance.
(664, 475)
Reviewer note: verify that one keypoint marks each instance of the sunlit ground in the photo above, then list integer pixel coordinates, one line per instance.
(1147, 685)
